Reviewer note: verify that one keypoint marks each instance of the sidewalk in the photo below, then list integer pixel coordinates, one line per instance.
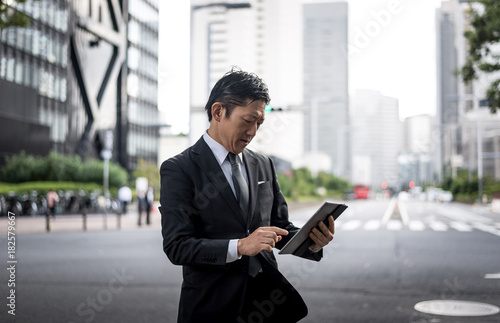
(100, 222)
(74, 222)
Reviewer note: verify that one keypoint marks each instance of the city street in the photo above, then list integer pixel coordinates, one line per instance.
(387, 256)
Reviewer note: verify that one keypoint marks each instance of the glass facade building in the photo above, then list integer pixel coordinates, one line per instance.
(325, 66)
(75, 73)
(34, 81)
(142, 81)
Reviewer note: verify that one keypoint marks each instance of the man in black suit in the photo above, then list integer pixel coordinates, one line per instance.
(225, 246)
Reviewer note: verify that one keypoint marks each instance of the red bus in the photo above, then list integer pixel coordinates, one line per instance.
(361, 192)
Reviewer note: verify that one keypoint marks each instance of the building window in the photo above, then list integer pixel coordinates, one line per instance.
(19, 73)
(10, 69)
(36, 76)
(133, 85)
(27, 75)
(3, 67)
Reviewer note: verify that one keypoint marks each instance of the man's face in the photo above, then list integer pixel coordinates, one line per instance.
(237, 130)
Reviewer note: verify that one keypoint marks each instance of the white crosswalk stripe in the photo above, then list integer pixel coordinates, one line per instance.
(416, 225)
(351, 225)
(372, 225)
(460, 226)
(429, 223)
(438, 226)
(394, 225)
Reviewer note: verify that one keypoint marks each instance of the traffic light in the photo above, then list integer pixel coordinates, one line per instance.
(269, 108)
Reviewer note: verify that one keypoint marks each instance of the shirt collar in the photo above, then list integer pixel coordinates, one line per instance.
(218, 150)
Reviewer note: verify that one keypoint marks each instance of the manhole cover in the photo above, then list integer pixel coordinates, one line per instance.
(456, 308)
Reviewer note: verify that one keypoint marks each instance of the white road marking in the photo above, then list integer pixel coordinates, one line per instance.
(394, 225)
(460, 226)
(351, 225)
(404, 214)
(438, 226)
(486, 228)
(416, 225)
(372, 225)
(389, 210)
(492, 276)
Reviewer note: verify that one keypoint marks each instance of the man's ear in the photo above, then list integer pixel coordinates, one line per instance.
(217, 111)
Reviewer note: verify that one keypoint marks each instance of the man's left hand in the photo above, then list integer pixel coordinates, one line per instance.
(323, 236)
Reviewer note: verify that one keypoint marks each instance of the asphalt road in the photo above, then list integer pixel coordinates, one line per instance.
(385, 258)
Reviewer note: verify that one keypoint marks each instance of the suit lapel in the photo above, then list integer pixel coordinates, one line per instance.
(203, 156)
(251, 167)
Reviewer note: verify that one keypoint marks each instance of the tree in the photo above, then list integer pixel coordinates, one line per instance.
(483, 36)
(10, 17)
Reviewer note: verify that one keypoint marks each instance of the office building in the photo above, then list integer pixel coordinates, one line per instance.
(281, 134)
(142, 117)
(469, 132)
(375, 139)
(420, 144)
(449, 156)
(64, 80)
(263, 38)
(325, 83)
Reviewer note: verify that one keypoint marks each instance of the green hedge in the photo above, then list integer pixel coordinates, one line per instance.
(299, 184)
(465, 190)
(59, 168)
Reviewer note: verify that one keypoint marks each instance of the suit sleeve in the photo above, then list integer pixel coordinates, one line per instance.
(178, 217)
(280, 219)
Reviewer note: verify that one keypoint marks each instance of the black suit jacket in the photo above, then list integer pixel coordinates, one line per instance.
(200, 214)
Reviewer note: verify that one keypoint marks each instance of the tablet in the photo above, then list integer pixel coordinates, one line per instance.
(298, 244)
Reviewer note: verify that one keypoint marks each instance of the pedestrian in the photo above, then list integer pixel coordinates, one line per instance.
(223, 213)
(141, 204)
(125, 197)
(52, 200)
(150, 198)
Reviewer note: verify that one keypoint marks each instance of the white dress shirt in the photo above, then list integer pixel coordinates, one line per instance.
(220, 154)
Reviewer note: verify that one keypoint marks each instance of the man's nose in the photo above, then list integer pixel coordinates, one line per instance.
(252, 130)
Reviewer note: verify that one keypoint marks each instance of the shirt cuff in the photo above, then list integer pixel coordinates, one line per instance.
(232, 251)
(314, 251)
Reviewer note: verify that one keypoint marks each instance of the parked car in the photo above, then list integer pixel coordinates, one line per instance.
(438, 195)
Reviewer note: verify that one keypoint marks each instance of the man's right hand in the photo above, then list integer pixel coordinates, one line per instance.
(264, 238)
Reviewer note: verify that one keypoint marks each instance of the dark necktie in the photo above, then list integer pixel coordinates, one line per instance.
(243, 196)
(240, 185)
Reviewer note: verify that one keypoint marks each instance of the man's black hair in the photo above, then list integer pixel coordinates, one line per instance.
(237, 88)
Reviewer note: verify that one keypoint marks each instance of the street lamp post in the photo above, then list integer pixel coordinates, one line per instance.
(106, 154)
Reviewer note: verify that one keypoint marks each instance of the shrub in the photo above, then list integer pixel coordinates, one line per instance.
(22, 168)
(56, 167)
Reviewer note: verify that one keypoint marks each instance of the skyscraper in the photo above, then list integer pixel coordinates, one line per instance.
(325, 83)
(469, 133)
(35, 112)
(142, 118)
(376, 133)
(264, 39)
(64, 81)
(448, 112)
